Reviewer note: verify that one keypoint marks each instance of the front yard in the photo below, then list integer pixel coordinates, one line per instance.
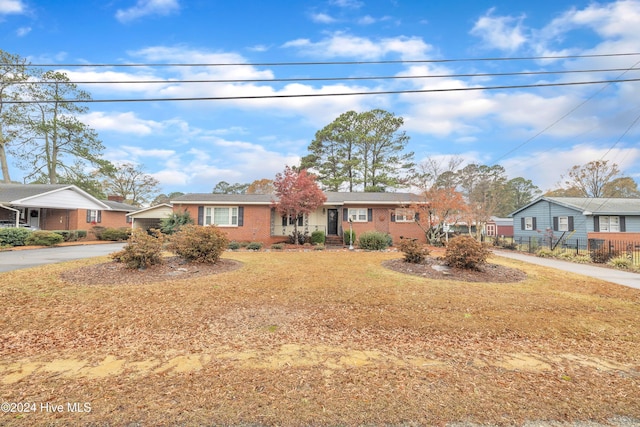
(316, 338)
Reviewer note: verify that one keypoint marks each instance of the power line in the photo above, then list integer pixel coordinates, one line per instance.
(355, 78)
(314, 63)
(316, 95)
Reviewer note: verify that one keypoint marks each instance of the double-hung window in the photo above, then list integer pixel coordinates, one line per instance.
(610, 224)
(221, 216)
(528, 223)
(358, 214)
(405, 215)
(563, 223)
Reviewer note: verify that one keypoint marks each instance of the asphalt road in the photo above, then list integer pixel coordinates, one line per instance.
(619, 277)
(14, 260)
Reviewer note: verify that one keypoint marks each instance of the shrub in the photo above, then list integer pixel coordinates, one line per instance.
(142, 250)
(373, 240)
(346, 239)
(620, 262)
(254, 246)
(414, 251)
(81, 234)
(13, 236)
(234, 246)
(318, 237)
(196, 243)
(602, 255)
(277, 246)
(68, 235)
(43, 238)
(544, 253)
(318, 247)
(175, 221)
(582, 259)
(115, 234)
(298, 238)
(465, 252)
(97, 231)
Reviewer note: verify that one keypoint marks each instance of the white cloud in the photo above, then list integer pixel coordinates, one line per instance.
(352, 4)
(8, 7)
(501, 32)
(344, 45)
(366, 20)
(322, 18)
(147, 7)
(127, 123)
(23, 31)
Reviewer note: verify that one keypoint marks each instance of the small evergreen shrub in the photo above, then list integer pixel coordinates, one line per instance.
(234, 246)
(142, 250)
(465, 252)
(13, 236)
(115, 234)
(175, 221)
(68, 235)
(97, 231)
(81, 234)
(254, 246)
(318, 237)
(44, 238)
(196, 243)
(298, 238)
(277, 246)
(373, 240)
(346, 239)
(414, 251)
(621, 262)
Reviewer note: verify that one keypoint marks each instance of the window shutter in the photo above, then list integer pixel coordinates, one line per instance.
(285, 220)
(393, 217)
(88, 216)
(345, 214)
(200, 215)
(300, 220)
(417, 216)
(534, 223)
(522, 223)
(623, 225)
(596, 223)
(571, 223)
(240, 216)
(369, 215)
(99, 218)
(555, 223)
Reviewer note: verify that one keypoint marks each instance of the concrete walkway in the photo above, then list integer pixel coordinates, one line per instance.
(619, 277)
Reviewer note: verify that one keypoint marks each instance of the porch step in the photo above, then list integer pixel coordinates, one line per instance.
(333, 241)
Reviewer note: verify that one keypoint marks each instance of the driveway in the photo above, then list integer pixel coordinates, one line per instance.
(619, 277)
(15, 260)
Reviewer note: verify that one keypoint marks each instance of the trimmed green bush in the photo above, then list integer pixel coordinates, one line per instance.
(234, 246)
(44, 238)
(141, 251)
(346, 239)
(68, 235)
(277, 246)
(115, 234)
(414, 251)
(254, 246)
(373, 240)
(318, 237)
(13, 236)
(175, 221)
(465, 252)
(81, 234)
(196, 243)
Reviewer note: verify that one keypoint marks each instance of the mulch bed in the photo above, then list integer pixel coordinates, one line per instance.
(173, 268)
(493, 273)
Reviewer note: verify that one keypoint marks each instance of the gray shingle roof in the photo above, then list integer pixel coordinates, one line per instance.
(117, 206)
(333, 198)
(600, 205)
(10, 192)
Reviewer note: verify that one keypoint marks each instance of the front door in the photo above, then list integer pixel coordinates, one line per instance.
(332, 221)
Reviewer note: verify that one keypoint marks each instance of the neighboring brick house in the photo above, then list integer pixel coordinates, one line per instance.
(253, 217)
(58, 207)
(576, 220)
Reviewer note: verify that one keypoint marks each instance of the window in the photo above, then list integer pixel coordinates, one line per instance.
(358, 215)
(290, 220)
(222, 217)
(563, 223)
(94, 216)
(405, 215)
(491, 229)
(528, 223)
(610, 224)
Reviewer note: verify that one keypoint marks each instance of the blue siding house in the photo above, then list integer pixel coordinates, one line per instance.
(573, 220)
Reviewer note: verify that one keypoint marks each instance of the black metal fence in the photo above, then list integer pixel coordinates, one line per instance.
(596, 250)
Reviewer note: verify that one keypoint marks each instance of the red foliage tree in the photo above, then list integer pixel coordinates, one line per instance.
(297, 193)
(439, 206)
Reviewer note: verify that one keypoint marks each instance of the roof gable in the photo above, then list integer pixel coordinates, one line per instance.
(56, 196)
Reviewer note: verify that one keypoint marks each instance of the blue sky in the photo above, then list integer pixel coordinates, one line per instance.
(537, 133)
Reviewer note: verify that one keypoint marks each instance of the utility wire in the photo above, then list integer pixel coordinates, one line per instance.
(316, 95)
(278, 64)
(312, 79)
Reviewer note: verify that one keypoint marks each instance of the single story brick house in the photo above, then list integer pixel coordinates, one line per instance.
(253, 217)
(58, 207)
(577, 220)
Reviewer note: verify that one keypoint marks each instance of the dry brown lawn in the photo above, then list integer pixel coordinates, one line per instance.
(317, 338)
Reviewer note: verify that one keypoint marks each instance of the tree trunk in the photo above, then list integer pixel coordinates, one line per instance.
(3, 165)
